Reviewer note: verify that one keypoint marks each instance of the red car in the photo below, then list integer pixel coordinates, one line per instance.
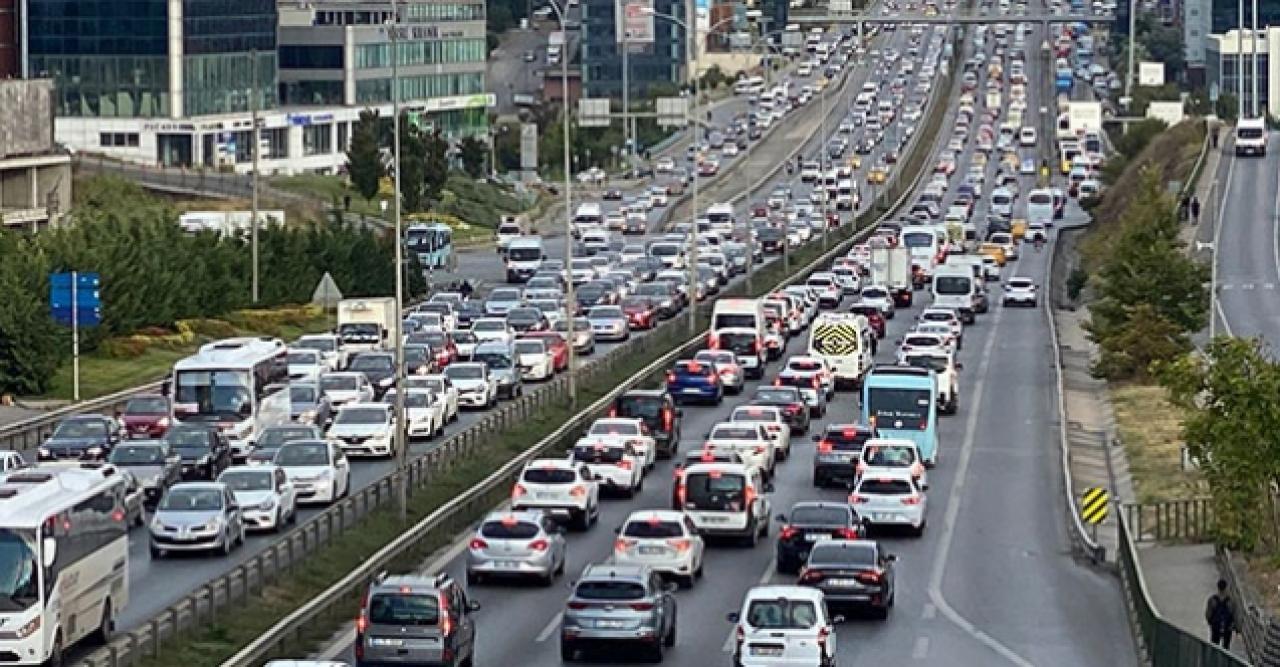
(555, 345)
(147, 416)
(640, 313)
(442, 347)
(874, 317)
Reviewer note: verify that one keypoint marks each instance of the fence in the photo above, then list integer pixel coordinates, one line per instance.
(1161, 643)
(1189, 520)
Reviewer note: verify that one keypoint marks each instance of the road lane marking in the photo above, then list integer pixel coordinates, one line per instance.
(551, 628)
(921, 649)
(1222, 315)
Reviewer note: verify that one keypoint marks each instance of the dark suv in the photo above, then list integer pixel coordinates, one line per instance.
(839, 448)
(416, 620)
(204, 450)
(658, 411)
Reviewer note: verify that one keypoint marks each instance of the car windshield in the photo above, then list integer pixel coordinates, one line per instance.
(897, 404)
(149, 405)
(781, 614)
(137, 455)
(779, 395)
(637, 406)
(934, 363)
(412, 399)
(416, 353)
(274, 437)
(598, 454)
(188, 438)
(373, 362)
(319, 344)
(404, 609)
(735, 433)
(489, 325)
(494, 360)
(610, 590)
(714, 490)
(81, 428)
(605, 313)
(303, 454)
(247, 480)
(819, 516)
(304, 358)
(464, 372)
(889, 456)
(361, 415)
(462, 336)
(192, 500)
(843, 554)
(524, 315)
(508, 529)
(302, 395)
(530, 347)
(504, 295)
(654, 528)
(339, 383)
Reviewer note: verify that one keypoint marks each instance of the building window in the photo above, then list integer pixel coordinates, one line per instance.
(311, 93)
(275, 143)
(215, 84)
(310, 57)
(421, 87)
(444, 52)
(118, 139)
(317, 140)
(420, 13)
(344, 130)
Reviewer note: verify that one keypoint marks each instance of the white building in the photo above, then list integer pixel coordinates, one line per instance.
(1224, 67)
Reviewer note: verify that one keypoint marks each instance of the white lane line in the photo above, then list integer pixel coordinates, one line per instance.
(732, 639)
(1222, 315)
(921, 649)
(551, 628)
(941, 560)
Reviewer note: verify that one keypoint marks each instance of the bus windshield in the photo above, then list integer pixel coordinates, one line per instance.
(18, 583)
(222, 394)
(890, 405)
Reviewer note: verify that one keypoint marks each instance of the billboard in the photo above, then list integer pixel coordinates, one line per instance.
(26, 122)
(1150, 74)
(634, 21)
(1169, 112)
(529, 146)
(1085, 116)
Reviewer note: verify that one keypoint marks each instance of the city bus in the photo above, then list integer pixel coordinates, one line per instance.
(432, 242)
(240, 384)
(902, 402)
(64, 555)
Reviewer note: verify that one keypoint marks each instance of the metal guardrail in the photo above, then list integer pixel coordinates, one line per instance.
(1162, 643)
(458, 514)
(1188, 520)
(1190, 185)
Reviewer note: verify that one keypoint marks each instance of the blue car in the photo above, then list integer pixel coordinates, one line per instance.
(692, 380)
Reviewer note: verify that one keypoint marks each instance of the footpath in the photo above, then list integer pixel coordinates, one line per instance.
(1178, 577)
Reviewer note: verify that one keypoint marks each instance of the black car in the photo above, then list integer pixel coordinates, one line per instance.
(666, 298)
(469, 312)
(836, 457)
(791, 402)
(418, 359)
(658, 411)
(204, 450)
(273, 438)
(82, 437)
(378, 367)
(771, 239)
(308, 404)
(596, 293)
(852, 572)
(809, 523)
(613, 194)
(527, 319)
(155, 467)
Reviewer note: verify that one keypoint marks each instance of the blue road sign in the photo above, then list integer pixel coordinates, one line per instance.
(85, 317)
(88, 298)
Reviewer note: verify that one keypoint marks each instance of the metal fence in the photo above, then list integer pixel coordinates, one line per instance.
(1161, 643)
(1189, 520)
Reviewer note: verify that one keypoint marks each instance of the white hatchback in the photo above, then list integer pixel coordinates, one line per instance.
(629, 431)
(667, 541)
(891, 497)
(784, 625)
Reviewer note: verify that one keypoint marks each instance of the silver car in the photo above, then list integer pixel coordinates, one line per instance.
(197, 516)
(519, 544)
(619, 604)
(608, 323)
(584, 340)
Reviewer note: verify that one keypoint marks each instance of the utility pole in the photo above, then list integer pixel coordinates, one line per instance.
(400, 442)
(626, 93)
(571, 298)
(253, 198)
(689, 36)
(1253, 48)
(1240, 60)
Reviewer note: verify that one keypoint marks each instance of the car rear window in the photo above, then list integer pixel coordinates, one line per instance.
(846, 438)
(610, 590)
(799, 381)
(879, 455)
(820, 516)
(549, 476)
(844, 554)
(593, 454)
(404, 609)
(614, 428)
(735, 433)
(640, 406)
(714, 490)
(509, 530)
(653, 528)
(887, 487)
(781, 614)
(695, 368)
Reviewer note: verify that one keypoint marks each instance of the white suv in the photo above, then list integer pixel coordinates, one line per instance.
(890, 496)
(561, 489)
(1019, 291)
(665, 540)
(944, 367)
(784, 625)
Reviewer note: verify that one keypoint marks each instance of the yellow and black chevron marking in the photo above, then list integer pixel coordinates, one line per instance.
(1093, 505)
(835, 339)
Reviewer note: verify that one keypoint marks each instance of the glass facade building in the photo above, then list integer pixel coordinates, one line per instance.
(662, 62)
(220, 40)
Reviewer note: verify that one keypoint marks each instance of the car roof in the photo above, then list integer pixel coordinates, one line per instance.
(597, 571)
(783, 591)
(661, 515)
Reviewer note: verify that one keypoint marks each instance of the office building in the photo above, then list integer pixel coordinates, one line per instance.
(656, 66)
(35, 175)
(1229, 62)
(1197, 19)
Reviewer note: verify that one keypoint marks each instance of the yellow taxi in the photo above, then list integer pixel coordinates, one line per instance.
(855, 162)
(1018, 227)
(878, 174)
(820, 85)
(1011, 161)
(994, 251)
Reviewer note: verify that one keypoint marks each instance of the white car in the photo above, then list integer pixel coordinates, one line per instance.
(319, 471)
(890, 497)
(666, 541)
(363, 428)
(346, 387)
(727, 366)
(1007, 243)
(477, 387)
(493, 328)
(629, 431)
(306, 365)
(942, 329)
(1027, 137)
(945, 370)
(879, 454)
(946, 316)
(664, 165)
(751, 440)
(829, 289)
(615, 465)
(784, 625)
(775, 423)
(1020, 292)
(817, 365)
(877, 296)
(329, 347)
(919, 342)
(266, 497)
(444, 391)
(423, 412)
(559, 487)
(536, 361)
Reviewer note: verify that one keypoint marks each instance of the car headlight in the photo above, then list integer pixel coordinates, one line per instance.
(386, 382)
(156, 523)
(325, 474)
(43, 452)
(268, 504)
(214, 524)
(204, 460)
(94, 451)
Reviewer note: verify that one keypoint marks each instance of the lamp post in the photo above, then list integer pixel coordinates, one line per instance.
(400, 442)
(253, 204)
(571, 299)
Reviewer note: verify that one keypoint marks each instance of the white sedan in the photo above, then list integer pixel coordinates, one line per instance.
(443, 388)
(319, 471)
(423, 412)
(632, 432)
(536, 361)
(266, 496)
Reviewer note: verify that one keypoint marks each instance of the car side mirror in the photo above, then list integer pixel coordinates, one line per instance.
(617, 531)
(472, 606)
(50, 551)
(892, 558)
(671, 586)
(782, 518)
(732, 617)
(233, 507)
(768, 487)
(679, 412)
(816, 438)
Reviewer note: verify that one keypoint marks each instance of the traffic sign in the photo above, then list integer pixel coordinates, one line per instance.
(75, 301)
(326, 294)
(1093, 505)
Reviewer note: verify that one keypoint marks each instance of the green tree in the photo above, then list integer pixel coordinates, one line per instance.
(1231, 424)
(1164, 43)
(473, 154)
(364, 157)
(1137, 136)
(413, 166)
(435, 151)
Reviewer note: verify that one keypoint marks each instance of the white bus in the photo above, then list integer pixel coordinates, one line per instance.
(1251, 136)
(64, 559)
(240, 384)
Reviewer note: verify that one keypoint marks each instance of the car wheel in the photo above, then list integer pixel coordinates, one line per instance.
(227, 544)
(107, 626)
(157, 554)
(582, 521)
(670, 639)
(473, 578)
(567, 651)
(919, 532)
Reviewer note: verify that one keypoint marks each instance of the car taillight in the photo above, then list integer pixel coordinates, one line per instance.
(755, 346)
(759, 449)
(825, 446)
(681, 545)
(681, 494)
(917, 470)
(539, 545)
(518, 491)
(578, 491)
(478, 544)
(868, 577)
(855, 499)
(911, 500)
(810, 576)
(749, 496)
(713, 341)
(924, 424)
(671, 376)
(817, 383)
(739, 635)
(613, 412)
(624, 464)
(846, 534)
(578, 605)
(823, 635)
(667, 419)
(787, 533)
(446, 621)
(777, 382)
(642, 606)
(621, 544)
(362, 623)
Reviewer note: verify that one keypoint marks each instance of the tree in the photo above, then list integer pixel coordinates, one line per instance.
(1137, 136)
(364, 157)
(1231, 423)
(1164, 43)
(473, 153)
(413, 166)
(435, 152)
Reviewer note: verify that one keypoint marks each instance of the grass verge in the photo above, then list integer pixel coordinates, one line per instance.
(1151, 430)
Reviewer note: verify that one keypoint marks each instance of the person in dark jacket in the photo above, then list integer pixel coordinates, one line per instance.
(1220, 614)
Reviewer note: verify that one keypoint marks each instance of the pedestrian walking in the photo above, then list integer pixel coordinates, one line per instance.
(1183, 207)
(1195, 208)
(1220, 614)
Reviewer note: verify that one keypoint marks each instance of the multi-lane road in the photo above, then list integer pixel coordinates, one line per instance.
(1248, 244)
(991, 581)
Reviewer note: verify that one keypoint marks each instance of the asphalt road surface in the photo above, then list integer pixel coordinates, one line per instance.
(1248, 245)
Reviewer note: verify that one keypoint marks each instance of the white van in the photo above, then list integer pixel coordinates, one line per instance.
(1002, 202)
(725, 499)
(1040, 206)
(587, 216)
(846, 342)
(737, 314)
(751, 85)
(524, 258)
(955, 287)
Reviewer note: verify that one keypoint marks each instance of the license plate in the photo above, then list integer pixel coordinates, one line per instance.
(715, 519)
(544, 495)
(380, 641)
(691, 390)
(504, 565)
(652, 551)
(884, 516)
(767, 651)
(611, 624)
(842, 582)
(816, 537)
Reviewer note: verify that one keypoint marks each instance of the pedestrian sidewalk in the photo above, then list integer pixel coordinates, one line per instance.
(1201, 230)
(1180, 578)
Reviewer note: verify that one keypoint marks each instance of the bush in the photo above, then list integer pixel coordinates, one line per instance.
(207, 328)
(125, 347)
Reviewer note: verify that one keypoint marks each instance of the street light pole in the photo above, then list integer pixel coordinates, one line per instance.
(253, 203)
(571, 299)
(400, 443)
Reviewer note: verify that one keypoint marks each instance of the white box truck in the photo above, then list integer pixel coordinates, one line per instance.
(368, 324)
(891, 267)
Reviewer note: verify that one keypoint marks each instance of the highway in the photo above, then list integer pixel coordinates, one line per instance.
(1248, 245)
(991, 582)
